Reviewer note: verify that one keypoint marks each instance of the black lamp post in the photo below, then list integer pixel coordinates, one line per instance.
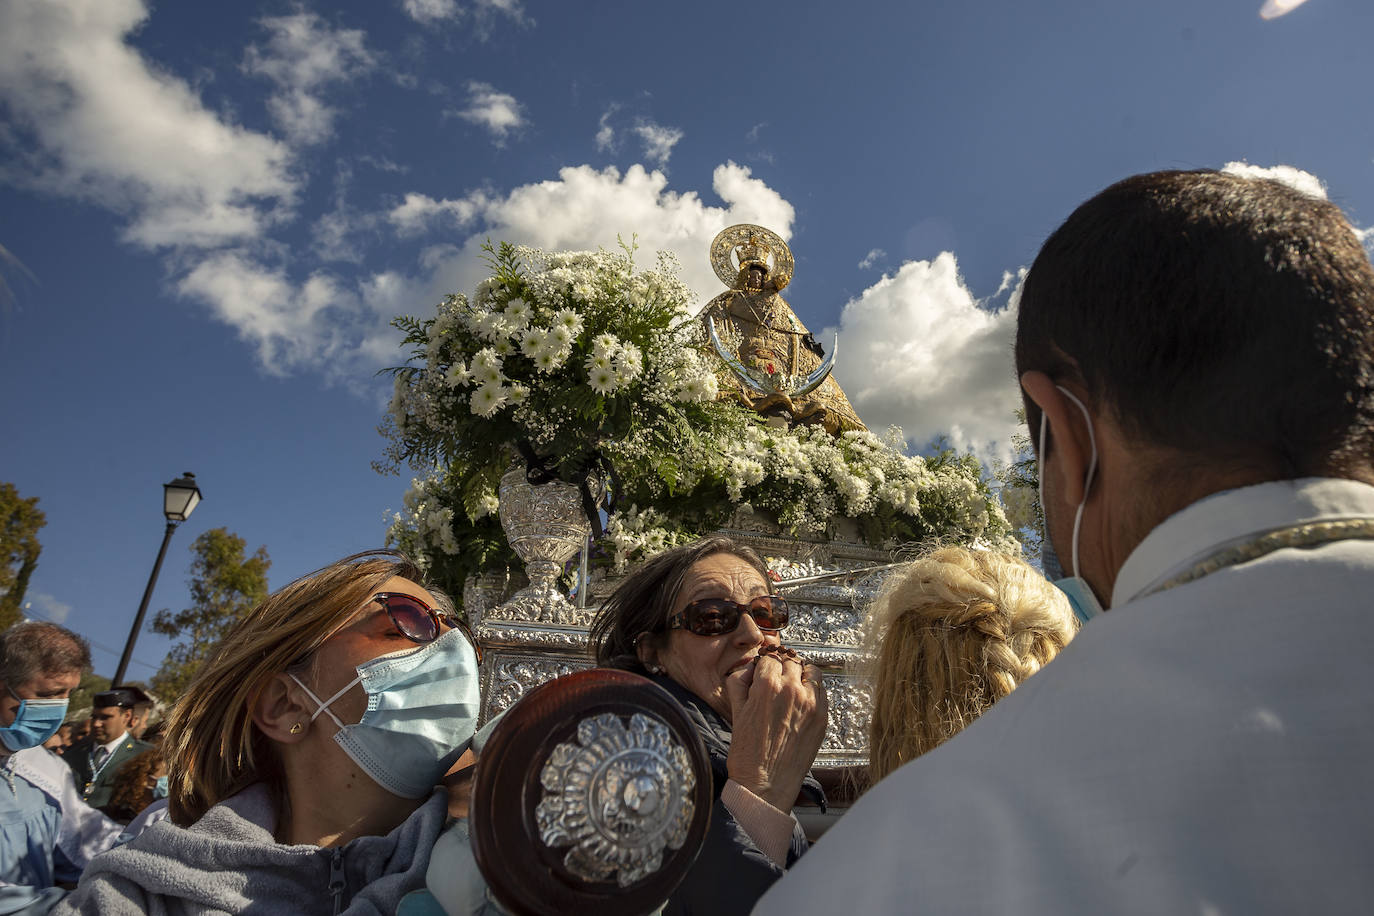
(179, 500)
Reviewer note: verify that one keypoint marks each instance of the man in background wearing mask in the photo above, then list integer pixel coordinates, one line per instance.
(1196, 352)
(40, 665)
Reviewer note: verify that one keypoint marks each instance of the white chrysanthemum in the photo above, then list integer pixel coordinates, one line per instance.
(535, 340)
(486, 358)
(603, 381)
(569, 319)
(457, 375)
(605, 345)
(561, 334)
(518, 393)
(518, 312)
(598, 361)
(487, 400)
(488, 504)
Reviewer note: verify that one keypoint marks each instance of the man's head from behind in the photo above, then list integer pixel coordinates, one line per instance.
(1223, 326)
(38, 662)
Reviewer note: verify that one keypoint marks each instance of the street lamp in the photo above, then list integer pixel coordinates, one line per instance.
(179, 500)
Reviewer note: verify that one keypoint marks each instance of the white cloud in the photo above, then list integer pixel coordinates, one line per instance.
(498, 112)
(98, 123)
(303, 56)
(1273, 9)
(586, 208)
(484, 13)
(289, 325)
(1295, 178)
(917, 351)
(420, 212)
(873, 257)
(428, 12)
(658, 141)
(46, 607)
(605, 133)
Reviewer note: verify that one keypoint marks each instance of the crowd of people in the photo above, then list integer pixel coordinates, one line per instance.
(1176, 725)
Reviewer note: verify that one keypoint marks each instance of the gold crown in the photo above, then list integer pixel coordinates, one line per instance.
(753, 250)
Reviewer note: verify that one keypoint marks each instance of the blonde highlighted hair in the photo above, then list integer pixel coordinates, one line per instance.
(948, 636)
(212, 747)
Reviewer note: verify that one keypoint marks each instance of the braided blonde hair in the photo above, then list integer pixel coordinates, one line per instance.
(948, 636)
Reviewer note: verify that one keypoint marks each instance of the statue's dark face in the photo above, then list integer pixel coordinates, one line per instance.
(755, 277)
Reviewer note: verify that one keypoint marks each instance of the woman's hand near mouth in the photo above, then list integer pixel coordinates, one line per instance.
(779, 712)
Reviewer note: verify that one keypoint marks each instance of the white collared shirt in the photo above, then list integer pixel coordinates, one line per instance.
(112, 746)
(1203, 749)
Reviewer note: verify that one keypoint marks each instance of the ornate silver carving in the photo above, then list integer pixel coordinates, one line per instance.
(505, 677)
(618, 796)
(546, 526)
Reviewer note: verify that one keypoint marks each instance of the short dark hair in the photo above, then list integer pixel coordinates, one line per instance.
(643, 600)
(35, 648)
(1229, 318)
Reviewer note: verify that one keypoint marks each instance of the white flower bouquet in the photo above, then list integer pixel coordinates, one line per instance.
(576, 361)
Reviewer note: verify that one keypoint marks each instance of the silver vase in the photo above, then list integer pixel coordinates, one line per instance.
(546, 526)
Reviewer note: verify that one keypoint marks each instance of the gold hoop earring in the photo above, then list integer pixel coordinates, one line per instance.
(296, 729)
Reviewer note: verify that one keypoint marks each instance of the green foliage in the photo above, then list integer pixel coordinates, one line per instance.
(225, 585)
(20, 521)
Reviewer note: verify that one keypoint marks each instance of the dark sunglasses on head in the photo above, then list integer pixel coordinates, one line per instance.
(419, 622)
(717, 616)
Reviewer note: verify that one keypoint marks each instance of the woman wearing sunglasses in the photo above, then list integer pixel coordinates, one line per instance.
(304, 757)
(699, 620)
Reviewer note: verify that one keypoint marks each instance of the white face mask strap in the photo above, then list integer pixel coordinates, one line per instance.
(1092, 471)
(1088, 480)
(324, 706)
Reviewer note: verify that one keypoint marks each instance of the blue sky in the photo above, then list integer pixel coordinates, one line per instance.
(223, 204)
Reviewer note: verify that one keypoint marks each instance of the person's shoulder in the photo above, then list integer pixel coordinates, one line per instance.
(133, 746)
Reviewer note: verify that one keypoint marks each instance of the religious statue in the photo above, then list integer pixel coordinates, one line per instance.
(776, 367)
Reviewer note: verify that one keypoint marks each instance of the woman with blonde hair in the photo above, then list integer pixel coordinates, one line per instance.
(949, 635)
(305, 756)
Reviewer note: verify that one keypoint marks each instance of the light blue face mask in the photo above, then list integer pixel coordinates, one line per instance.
(422, 707)
(1080, 594)
(34, 722)
(160, 788)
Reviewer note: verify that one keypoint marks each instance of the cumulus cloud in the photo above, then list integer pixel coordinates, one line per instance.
(1273, 9)
(302, 57)
(94, 121)
(1295, 178)
(498, 112)
(918, 351)
(419, 212)
(658, 141)
(483, 13)
(586, 208)
(873, 257)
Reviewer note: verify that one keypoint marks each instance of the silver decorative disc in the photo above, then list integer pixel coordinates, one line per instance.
(617, 797)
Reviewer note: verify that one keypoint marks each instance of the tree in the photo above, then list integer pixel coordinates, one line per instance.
(20, 520)
(224, 587)
(1021, 491)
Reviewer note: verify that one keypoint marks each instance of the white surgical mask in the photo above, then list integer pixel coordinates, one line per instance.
(422, 707)
(1075, 587)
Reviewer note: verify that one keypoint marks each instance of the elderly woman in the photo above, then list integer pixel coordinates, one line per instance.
(305, 755)
(950, 634)
(699, 620)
